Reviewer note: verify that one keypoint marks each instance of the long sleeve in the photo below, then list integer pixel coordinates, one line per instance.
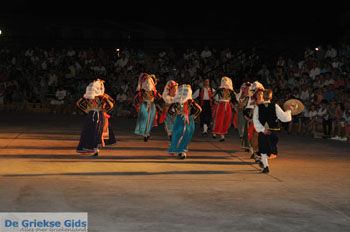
(284, 116)
(258, 126)
(195, 94)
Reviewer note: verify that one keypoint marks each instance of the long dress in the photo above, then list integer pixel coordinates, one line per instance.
(97, 131)
(222, 111)
(146, 113)
(184, 125)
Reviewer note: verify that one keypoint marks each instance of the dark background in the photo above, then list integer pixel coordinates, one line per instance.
(173, 23)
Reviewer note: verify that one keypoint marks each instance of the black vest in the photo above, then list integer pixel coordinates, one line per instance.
(267, 115)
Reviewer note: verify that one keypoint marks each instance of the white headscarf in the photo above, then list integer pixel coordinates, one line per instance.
(226, 83)
(256, 85)
(95, 88)
(183, 94)
(243, 86)
(145, 82)
(166, 97)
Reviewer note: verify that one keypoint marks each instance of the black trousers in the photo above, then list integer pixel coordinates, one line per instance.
(206, 114)
(268, 143)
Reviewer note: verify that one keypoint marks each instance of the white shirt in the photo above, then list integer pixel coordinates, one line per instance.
(322, 112)
(61, 94)
(206, 54)
(205, 95)
(304, 95)
(331, 53)
(284, 116)
(314, 72)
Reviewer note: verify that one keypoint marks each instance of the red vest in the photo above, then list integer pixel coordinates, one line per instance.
(202, 96)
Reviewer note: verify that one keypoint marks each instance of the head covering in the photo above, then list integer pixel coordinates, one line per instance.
(183, 94)
(226, 83)
(298, 106)
(170, 84)
(95, 88)
(253, 89)
(146, 82)
(256, 85)
(244, 86)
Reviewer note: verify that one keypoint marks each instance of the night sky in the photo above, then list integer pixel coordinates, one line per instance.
(250, 17)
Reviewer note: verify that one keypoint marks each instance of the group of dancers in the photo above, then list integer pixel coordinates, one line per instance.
(255, 117)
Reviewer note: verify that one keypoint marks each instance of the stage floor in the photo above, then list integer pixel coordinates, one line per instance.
(136, 186)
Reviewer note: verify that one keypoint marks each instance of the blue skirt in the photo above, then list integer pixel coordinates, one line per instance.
(169, 123)
(182, 134)
(91, 135)
(145, 119)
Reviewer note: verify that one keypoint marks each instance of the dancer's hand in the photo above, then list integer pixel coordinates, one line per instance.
(267, 132)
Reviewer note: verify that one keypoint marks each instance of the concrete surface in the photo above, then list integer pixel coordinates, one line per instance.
(137, 186)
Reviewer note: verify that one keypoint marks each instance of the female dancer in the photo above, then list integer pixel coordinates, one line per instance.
(146, 100)
(222, 112)
(169, 98)
(97, 131)
(186, 111)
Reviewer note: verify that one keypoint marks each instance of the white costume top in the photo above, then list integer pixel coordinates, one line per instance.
(284, 116)
(205, 95)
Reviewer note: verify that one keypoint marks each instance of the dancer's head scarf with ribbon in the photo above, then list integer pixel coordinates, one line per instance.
(183, 94)
(226, 83)
(170, 84)
(95, 88)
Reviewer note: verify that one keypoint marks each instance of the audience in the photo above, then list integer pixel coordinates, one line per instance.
(56, 78)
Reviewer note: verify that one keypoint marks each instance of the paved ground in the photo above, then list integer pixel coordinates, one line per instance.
(137, 186)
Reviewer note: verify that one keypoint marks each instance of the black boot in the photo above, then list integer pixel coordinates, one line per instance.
(266, 170)
(95, 154)
(145, 138)
(252, 156)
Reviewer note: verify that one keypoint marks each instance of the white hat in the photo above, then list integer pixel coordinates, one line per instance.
(183, 94)
(226, 83)
(95, 88)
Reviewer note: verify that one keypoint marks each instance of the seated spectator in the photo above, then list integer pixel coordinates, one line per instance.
(346, 124)
(324, 118)
(310, 119)
(338, 123)
(59, 100)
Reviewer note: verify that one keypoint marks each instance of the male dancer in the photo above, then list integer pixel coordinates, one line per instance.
(266, 116)
(206, 103)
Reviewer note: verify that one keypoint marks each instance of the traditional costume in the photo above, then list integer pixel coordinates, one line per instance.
(97, 131)
(165, 117)
(250, 137)
(222, 111)
(266, 116)
(146, 103)
(206, 102)
(243, 115)
(186, 111)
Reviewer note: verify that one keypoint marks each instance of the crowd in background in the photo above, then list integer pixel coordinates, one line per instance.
(57, 78)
